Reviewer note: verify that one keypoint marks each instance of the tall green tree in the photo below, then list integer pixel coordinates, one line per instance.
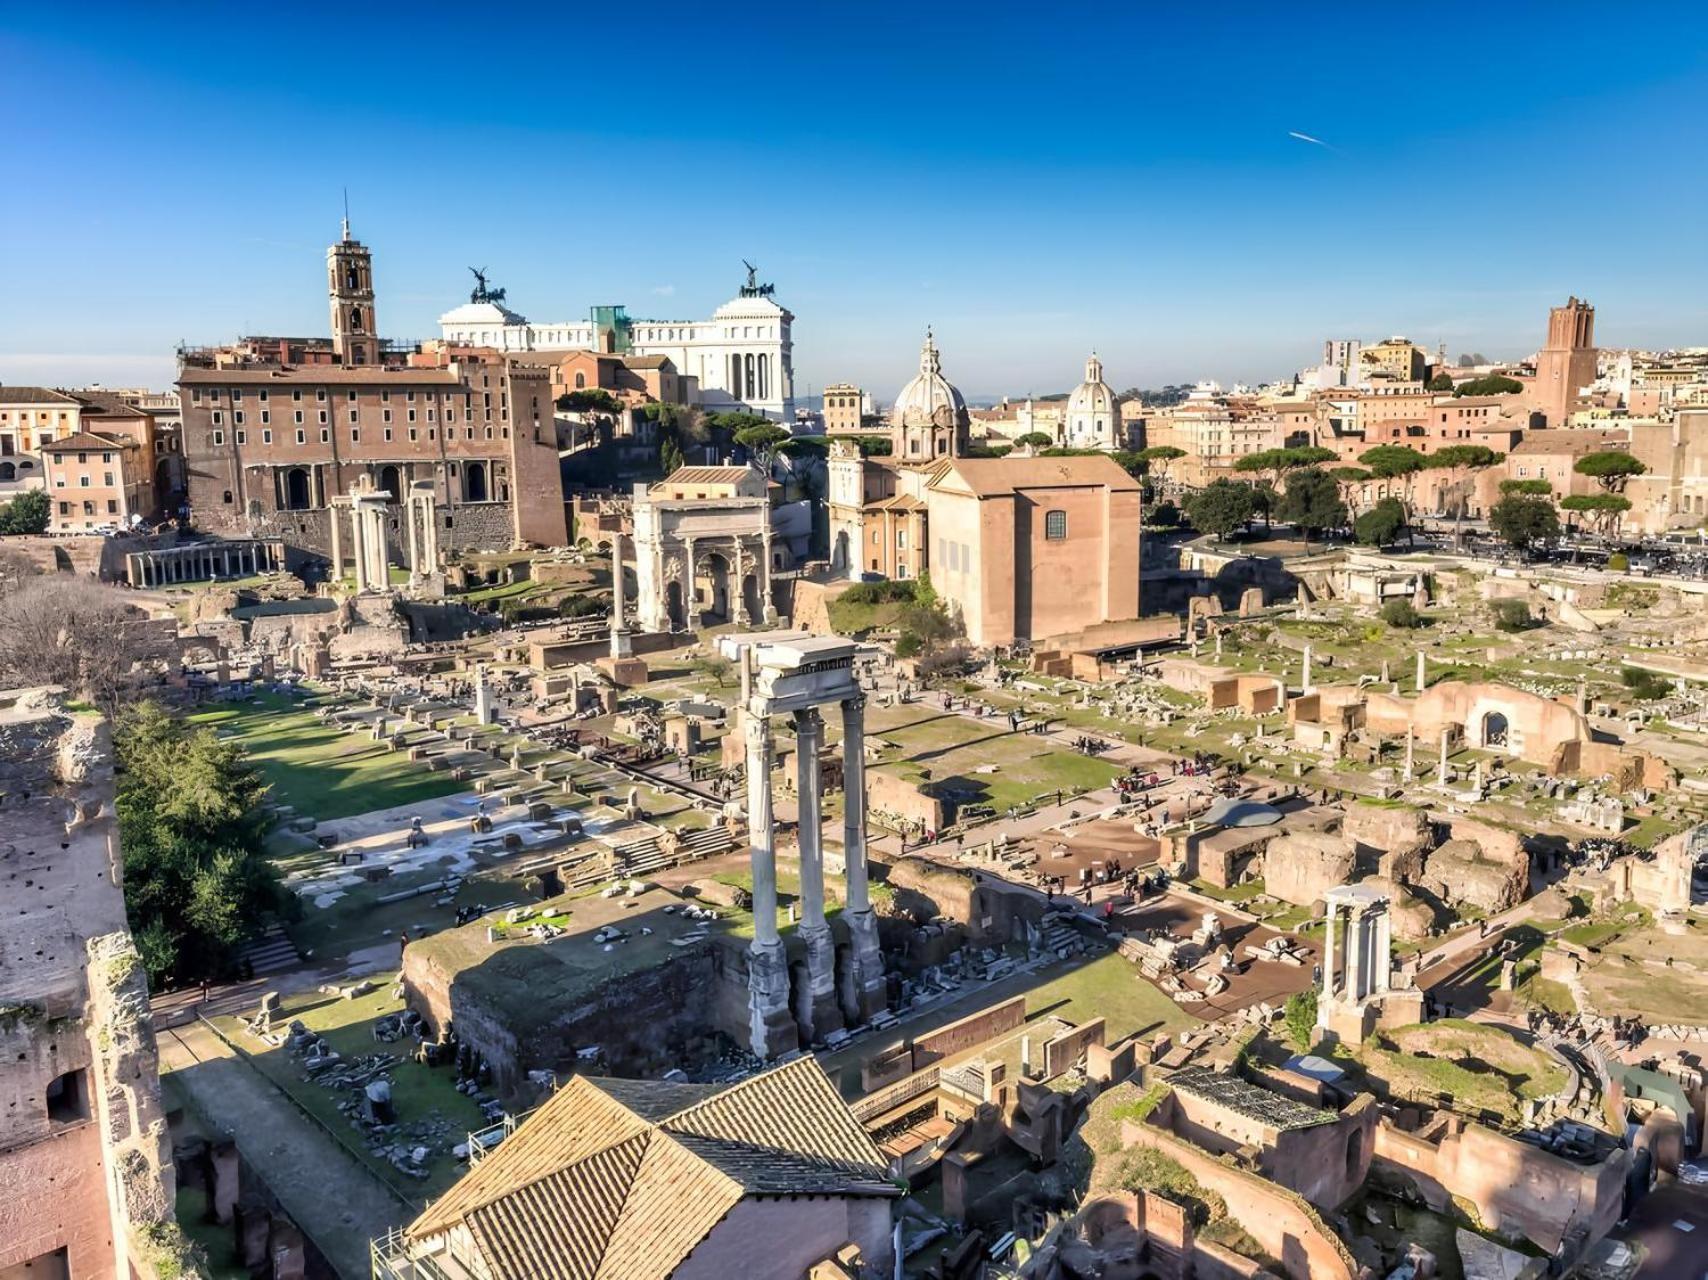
(1380, 526)
(191, 824)
(1494, 384)
(1312, 501)
(26, 513)
(1520, 520)
(1610, 468)
(1221, 508)
(1603, 509)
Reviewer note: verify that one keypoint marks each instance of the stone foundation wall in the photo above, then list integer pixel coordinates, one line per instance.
(472, 526)
(1518, 1190)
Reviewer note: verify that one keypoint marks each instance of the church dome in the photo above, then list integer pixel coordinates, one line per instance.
(929, 399)
(1093, 396)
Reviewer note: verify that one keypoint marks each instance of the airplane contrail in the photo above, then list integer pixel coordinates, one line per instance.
(1305, 137)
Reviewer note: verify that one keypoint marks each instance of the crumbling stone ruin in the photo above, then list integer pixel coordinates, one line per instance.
(86, 1180)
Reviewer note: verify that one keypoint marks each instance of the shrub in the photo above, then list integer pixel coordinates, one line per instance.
(1619, 562)
(1512, 615)
(1401, 613)
(1165, 515)
(889, 591)
(1645, 686)
(1300, 1012)
(908, 645)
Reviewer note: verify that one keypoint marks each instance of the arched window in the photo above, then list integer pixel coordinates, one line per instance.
(352, 278)
(228, 497)
(356, 319)
(390, 482)
(8, 471)
(580, 381)
(474, 482)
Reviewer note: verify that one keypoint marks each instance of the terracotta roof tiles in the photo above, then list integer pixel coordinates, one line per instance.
(622, 1179)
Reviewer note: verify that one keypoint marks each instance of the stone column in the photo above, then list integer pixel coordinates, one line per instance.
(816, 1008)
(409, 505)
(1305, 672)
(358, 548)
(1328, 951)
(620, 645)
(739, 612)
(1411, 745)
(1441, 770)
(1354, 954)
(763, 578)
(863, 990)
(1420, 671)
(771, 1027)
(690, 604)
(1384, 945)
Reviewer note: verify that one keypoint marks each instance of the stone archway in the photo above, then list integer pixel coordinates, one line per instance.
(1496, 731)
(714, 570)
(474, 482)
(751, 598)
(296, 490)
(673, 610)
(390, 482)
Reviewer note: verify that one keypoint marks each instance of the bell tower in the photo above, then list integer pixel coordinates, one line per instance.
(350, 285)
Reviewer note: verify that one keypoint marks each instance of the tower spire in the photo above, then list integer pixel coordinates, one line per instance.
(346, 213)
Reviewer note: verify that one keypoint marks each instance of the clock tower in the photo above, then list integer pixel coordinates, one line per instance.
(350, 285)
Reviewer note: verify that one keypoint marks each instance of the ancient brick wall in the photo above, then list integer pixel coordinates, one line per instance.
(969, 1032)
(1516, 1189)
(1280, 1221)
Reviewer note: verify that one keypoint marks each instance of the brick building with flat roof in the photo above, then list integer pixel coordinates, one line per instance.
(275, 428)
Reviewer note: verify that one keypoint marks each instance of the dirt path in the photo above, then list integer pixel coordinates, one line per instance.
(337, 1203)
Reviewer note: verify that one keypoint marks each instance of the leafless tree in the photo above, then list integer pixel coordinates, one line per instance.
(69, 631)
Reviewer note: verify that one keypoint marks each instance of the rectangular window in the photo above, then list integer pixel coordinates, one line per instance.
(325, 435)
(266, 417)
(353, 416)
(323, 415)
(385, 416)
(388, 434)
(1055, 525)
(301, 436)
(263, 395)
(296, 393)
(240, 437)
(218, 437)
(266, 437)
(299, 415)
(355, 436)
(320, 394)
(112, 506)
(350, 396)
(218, 417)
(237, 416)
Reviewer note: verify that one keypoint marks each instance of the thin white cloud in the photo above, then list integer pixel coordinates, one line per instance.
(664, 290)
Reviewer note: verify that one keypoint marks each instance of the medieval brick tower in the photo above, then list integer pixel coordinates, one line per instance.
(1566, 364)
(350, 284)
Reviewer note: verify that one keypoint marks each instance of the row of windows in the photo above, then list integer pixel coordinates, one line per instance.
(236, 395)
(239, 436)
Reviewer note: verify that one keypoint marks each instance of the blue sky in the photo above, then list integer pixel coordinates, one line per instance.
(1032, 181)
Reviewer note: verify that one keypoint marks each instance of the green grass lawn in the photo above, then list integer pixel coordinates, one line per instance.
(1110, 988)
(420, 1094)
(319, 770)
(1481, 1067)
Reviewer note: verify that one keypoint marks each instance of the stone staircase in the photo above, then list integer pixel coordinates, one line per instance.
(272, 952)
